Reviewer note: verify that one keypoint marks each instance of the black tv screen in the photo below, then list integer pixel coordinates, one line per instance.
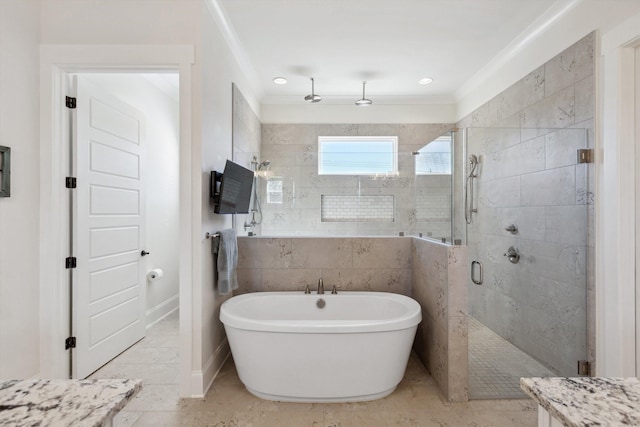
(231, 190)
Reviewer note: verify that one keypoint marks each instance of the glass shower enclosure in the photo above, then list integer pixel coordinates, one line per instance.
(529, 208)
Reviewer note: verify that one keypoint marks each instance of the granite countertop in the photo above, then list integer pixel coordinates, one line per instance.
(78, 403)
(587, 401)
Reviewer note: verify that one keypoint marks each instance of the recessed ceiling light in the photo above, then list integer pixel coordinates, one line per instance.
(280, 80)
(425, 81)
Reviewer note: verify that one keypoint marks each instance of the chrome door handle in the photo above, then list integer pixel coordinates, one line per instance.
(473, 279)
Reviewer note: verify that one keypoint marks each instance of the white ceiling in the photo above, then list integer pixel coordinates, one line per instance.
(389, 43)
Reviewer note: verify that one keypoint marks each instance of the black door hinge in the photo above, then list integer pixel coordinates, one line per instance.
(70, 262)
(70, 182)
(584, 368)
(70, 343)
(70, 102)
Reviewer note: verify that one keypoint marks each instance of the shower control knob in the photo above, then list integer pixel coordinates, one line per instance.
(513, 229)
(513, 255)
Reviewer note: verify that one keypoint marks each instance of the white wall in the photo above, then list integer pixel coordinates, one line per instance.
(376, 113)
(161, 178)
(219, 70)
(616, 162)
(19, 36)
(152, 22)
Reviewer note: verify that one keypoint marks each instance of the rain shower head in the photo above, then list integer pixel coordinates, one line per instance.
(313, 98)
(264, 164)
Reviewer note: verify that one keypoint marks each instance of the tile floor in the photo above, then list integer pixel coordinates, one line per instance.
(416, 401)
(496, 365)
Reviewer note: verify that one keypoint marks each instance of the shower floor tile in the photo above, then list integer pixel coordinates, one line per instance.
(496, 365)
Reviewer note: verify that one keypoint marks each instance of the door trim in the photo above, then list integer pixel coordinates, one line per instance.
(56, 62)
(615, 204)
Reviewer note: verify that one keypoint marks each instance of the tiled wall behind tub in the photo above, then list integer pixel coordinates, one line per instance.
(433, 273)
(526, 139)
(351, 264)
(439, 274)
(293, 152)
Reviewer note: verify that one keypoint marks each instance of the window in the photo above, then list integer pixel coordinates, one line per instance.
(435, 157)
(357, 155)
(274, 190)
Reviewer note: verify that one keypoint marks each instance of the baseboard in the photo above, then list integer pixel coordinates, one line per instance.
(196, 391)
(161, 310)
(215, 363)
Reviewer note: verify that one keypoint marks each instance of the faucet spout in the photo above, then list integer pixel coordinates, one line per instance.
(320, 286)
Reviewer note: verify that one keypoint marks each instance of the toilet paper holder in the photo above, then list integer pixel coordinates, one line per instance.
(155, 274)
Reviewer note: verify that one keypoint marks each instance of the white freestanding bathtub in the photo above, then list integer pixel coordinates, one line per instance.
(296, 347)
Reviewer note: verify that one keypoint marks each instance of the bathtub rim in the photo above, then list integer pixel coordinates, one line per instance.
(409, 319)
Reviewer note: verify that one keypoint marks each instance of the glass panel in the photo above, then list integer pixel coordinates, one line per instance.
(527, 210)
(433, 189)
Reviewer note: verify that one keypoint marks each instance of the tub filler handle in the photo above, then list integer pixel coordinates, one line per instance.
(473, 269)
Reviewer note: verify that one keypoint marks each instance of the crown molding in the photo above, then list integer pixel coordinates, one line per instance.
(484, 84)
(235, 46)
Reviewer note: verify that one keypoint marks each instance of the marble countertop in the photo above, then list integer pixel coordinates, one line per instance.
(587, 401)
(78, 403)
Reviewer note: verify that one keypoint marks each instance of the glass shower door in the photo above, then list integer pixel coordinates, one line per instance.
(529, 316)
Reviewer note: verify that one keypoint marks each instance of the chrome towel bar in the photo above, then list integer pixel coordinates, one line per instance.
(215, 242)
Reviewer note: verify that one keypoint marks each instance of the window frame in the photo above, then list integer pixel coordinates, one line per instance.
(359, 139)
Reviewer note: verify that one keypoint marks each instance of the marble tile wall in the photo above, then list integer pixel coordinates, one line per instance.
(293, 152)
(246, 133)
(439, 275)
(429, 271)
(526, 139)
(351, 264)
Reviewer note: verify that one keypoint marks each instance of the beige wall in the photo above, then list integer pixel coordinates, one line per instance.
(432, 273)
(439, 284)
(351, 264)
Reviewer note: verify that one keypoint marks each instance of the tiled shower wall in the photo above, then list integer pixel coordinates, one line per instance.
(433, 273)
(439, 275)
(526, 139)
(293, 152)
(246, 132)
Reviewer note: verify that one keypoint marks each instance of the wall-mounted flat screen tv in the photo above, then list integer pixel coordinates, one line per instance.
(231, 189)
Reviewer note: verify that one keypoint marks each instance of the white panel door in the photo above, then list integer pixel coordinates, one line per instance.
(109, 291)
